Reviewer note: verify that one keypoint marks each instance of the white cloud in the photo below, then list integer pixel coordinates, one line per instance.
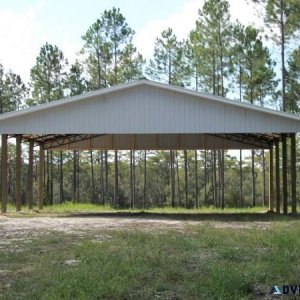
(17, 36)
(22, 33)
(183, 21)
(245, 13)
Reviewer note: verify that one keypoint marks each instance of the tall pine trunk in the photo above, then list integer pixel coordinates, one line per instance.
(282, 33)
(241, 153)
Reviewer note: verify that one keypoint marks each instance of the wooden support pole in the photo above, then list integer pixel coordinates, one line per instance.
(271, 183)
(277, 171)
(3, 173)
(196, 180)
(293, 172)
(145, 180)
(284, 175)
(41, 177)
(172, 178)
(116, 187)
(131, 180)
(30, 175)
(18, 172)
(185, 176)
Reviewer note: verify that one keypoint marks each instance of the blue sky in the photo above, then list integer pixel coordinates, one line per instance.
(26, 25)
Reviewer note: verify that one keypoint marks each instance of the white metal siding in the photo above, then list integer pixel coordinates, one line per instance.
(145, 109)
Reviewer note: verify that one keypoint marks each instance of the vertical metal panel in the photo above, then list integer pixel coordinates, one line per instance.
(147, 109)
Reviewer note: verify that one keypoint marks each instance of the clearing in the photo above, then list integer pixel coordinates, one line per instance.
(124, 255)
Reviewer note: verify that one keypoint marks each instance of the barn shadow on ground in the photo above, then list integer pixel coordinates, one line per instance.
(221, 217)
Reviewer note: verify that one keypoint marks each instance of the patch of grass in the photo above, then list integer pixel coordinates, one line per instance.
(201, 262)
(70, 208)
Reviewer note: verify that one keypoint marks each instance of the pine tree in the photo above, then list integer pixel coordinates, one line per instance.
(293, 82)
(211, 40)
(255, 76)
(48, 78)
(13, 91)
(284, 15)
(168, 63)
(48, 75)
(99, 58)
(259, 75)
(111, 59)
(75, 81)
(214, 28)
(118, 36)
(131, 64)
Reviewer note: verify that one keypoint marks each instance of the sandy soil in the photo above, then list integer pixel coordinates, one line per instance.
(25, 227)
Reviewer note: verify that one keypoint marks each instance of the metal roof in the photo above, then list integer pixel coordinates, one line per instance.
(149, 109)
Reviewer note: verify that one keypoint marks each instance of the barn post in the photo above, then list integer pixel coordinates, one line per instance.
(172, 179)
(18, 172)
(30, 175)
(41, 177)
(293, 172)
(271, 182)
(277, 171)
(284, 175)
(196, 179)
(116, 187)
(3, 173)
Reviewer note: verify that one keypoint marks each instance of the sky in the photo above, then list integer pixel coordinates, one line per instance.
(27, 25)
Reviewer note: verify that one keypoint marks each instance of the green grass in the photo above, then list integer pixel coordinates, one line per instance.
(70, 208)
(198, 262)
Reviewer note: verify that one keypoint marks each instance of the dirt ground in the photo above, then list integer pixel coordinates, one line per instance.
(12, 229)
(17, 233)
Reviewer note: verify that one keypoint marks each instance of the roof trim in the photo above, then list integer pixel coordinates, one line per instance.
(141, 82)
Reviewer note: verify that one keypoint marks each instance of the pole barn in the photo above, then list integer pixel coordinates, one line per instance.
(145, 115)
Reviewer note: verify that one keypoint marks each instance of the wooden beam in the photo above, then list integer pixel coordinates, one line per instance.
(18, 172)
(271, 182)
(284, 175)
(116, 187)
(30, 175)
(277, 171)
(196, 180)
(293, 173)
(41, 177)
(3, 173)
(172, 178)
